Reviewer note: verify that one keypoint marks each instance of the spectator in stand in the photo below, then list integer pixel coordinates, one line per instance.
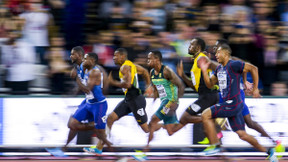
(35, 29)
(19, 57)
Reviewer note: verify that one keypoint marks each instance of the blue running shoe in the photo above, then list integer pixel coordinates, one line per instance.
(92, 150)
(272, 157)
(211, 150)
(57, 152)
(139, 156)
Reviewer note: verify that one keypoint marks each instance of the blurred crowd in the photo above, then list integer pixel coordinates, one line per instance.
(37, 36)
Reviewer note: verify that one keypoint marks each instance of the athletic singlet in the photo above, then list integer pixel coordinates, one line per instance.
(197, 79)
(134, 90)
(165, 88)
(80, 71)
(228, 76)
(95, 95)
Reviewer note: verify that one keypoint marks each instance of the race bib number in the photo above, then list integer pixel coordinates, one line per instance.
(161, 91)
(222, 79)
(165, 110)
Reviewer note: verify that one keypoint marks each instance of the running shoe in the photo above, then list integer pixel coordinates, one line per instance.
(57, 152)
(205, 141)
(93, 150)
(139, 156)
(272, 157)
(211, 150)
(279, 148)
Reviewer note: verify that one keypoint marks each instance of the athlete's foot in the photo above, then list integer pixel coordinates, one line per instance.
(212, 150)
(139, 156)
(279, 148)
(272, 157)
(205, 141)
(93, 150)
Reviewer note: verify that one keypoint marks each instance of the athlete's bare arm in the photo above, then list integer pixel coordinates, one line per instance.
(170, 75)
(144, 72)
(126, 82)
(210, 82)
(254, 72)
(185, 78)
(105, 77)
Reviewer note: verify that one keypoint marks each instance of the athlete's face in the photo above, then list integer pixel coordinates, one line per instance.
(74, 56)
(87, 61)
(193, 47)
(118, 58)
(220, 55)
(151, 60)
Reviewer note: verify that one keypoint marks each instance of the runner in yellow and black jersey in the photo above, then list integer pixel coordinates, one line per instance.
(134, 101)
(207, 97)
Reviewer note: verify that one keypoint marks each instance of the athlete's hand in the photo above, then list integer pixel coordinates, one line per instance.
(203, 63)
(180, 68)
(248, 86)
(256, 93)
(149, 92)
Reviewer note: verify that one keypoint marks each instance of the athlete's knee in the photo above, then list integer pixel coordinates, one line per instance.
(73, 124)
(206, 115)
(242, 135)
(145, 128)
(111, 118)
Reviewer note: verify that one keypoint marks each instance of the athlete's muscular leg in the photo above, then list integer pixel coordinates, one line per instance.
(185, 119)
(250, 139)
(254, 125)
(209, 126)
(74, 124)
(152, 126)
(145, 127)
(101, 134)
(112, 117)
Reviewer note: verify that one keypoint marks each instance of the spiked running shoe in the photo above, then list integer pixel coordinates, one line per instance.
(139, 156)
(211, 150)
(92, 150)
(279, 148)
(272, 157)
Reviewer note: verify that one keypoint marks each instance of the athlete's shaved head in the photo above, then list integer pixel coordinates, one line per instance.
(157, 54)
(122, 51)
(79, 50)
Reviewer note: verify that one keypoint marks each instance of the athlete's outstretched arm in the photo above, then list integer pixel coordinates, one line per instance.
(170, 75)
(144, 72)
(185, 78)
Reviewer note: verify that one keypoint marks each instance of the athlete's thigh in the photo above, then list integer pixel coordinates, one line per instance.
(81, 113)
(99, 114)
(122, 109)
(169, 118)
(226, 109)
(203, 102)
(137, 106)
(237, 122)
